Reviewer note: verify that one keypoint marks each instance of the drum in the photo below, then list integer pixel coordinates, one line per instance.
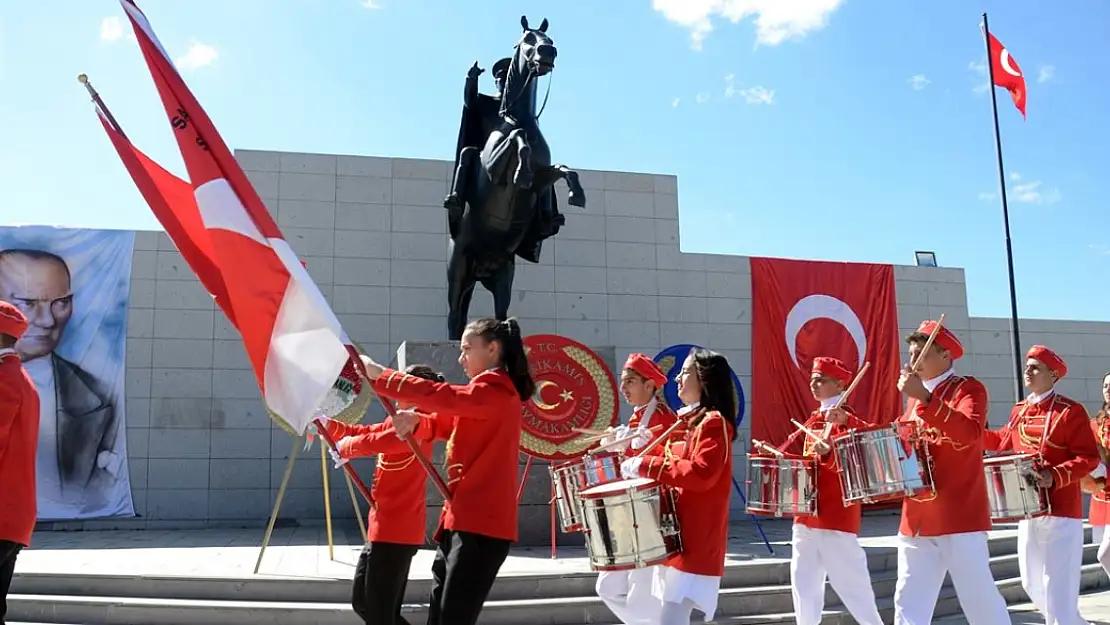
(877, 465)
(1012, 491)
(781, 486)
(630, 524)
(599, 468)
(567, 479)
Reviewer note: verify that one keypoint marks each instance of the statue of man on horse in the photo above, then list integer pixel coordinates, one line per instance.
(503, 202)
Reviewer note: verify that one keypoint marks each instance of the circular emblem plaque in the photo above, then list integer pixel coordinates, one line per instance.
(670, 361)
(574, 389)
(347, 401)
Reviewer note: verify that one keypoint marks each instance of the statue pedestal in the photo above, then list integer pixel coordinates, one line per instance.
(535, 518)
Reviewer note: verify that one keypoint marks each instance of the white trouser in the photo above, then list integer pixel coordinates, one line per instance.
(1102, 538)
(1097, 533)
(628, 594)
(819, 553)
(922, 563)
(1050, 556)
(676, 613)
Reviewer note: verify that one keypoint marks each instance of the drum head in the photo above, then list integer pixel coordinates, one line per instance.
(605, 490)
(1007, 458)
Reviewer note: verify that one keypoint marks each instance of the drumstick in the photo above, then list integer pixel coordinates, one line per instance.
(855, 383)
(662, 437)
(765, 447)
(928, 344)
(808, 432)
(590, 431)
(619, 441)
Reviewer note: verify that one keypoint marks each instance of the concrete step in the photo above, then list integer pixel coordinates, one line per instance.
(771, 601)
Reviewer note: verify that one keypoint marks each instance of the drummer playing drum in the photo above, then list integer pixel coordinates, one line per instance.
(1056, 429)
(628, 593)
(827, 543)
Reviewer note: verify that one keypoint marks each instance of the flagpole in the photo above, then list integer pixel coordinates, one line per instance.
(1014, 332)
(84, 80)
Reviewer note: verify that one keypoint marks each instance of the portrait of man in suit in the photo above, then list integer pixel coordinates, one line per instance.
(77, 418)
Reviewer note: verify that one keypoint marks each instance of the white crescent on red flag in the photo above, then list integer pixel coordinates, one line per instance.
(295, 343)
(1006, 72)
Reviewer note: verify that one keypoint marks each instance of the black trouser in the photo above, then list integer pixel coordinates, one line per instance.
(8, 553)
(381, 575)
(464, 570)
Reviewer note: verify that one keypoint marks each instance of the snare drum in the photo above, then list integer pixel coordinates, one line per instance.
(781, 487)
(877, 465)
(603, 467)
(1012, 491)
(567, 480)
(630, 524)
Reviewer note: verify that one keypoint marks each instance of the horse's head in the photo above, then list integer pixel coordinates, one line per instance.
(535, 49)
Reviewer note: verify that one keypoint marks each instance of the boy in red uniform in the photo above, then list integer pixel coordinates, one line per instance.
(628, 593)
(481, 422)
(701, 472)
(827, 544)
(946, 532)
(1058, 431)
(396, 521)
(19, 439)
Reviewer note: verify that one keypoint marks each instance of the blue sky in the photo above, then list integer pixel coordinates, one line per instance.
(852, 130)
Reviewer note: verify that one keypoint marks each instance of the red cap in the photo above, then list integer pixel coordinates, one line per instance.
(12, 321)
(945, 339)
(646, 367)
(1049, 358)
(832, 368)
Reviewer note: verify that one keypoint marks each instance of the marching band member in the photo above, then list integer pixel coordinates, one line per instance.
(19, 436)
(1095, 483)
(946, 532)
(827, 543)
(396, 520)
(1057, 430)
(702, 474)
(628, 593)
(481, 422)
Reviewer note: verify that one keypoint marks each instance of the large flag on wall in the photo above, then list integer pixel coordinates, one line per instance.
(295, 343)
(806, 309)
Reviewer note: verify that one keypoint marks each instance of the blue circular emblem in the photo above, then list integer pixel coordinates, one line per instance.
(670, 361)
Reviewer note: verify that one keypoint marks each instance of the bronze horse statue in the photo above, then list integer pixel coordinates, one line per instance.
(503, 202)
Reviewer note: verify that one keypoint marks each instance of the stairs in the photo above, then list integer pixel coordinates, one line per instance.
(753, 592)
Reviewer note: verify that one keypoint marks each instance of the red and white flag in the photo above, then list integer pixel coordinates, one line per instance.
(805, 309)
(1006, 73)
(296, 345)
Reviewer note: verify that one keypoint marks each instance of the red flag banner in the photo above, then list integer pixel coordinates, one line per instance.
(806, 309)
(1006, 73)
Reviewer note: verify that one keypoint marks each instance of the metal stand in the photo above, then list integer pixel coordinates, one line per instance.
(298, 442)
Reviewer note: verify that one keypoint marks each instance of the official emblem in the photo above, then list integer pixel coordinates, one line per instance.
(574, 389)
(670, 361)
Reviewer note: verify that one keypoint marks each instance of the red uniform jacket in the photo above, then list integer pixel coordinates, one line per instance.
(954, 420)
(481, 423)
(1100, 500)
(1059, 430)
(661, 419)
(702, 474)
(399, 480)
(19, 440)
(832, 514)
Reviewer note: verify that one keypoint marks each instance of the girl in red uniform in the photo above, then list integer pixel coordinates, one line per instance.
(481, 422)
(396, 521)
(1095, 483)
(701, 472)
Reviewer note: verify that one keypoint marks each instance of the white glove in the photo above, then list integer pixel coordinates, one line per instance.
(630, 468)
(339, 460)
(615, 434)
(1100, 471)
(643, 437)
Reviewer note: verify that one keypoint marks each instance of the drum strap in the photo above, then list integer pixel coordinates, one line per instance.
(649, 410)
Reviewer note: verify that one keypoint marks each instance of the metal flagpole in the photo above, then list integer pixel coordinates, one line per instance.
(1014, 333)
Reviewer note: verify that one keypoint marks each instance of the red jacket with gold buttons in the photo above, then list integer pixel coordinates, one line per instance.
(954, 420)
(19, 439)
(1057, 429)
(832, 514)
(1099, 513)
(702, 475)
(481, 422)
(399, 479)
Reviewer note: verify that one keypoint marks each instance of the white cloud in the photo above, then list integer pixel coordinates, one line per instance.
(675, 102)
(1099, 249)
(919, 82)
(979, 68)
(197, 56)
(758, 95)
(1030, 191)
(775, 20)
(1047, 73)
(986, 197)
(111, 29)
(1015, 176)
(371, 4)
(730, 85)
(702, 97)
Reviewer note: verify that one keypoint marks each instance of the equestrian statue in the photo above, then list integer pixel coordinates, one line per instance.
(503, 202)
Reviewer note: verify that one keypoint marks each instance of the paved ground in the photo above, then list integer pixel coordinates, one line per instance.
(1094, 607)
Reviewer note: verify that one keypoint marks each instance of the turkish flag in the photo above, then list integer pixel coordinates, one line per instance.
(805, 309)
(1006, 73)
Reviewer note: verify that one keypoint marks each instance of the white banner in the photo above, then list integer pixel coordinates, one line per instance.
(74, 286)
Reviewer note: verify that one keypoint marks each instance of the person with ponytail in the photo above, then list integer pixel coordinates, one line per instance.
(481, 422)
(1098, 515)
(699, 467)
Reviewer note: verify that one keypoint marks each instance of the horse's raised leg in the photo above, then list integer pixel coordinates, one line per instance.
(550, 175)
(524, 176)
(500, 284)
(460, 288)
(457, 197)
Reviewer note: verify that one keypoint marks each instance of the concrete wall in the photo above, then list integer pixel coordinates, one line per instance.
(372, 232)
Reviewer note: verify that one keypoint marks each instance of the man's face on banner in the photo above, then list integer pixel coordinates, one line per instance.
(40, 287)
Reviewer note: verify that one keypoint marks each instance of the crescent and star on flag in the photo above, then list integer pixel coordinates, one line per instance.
(1005, 71)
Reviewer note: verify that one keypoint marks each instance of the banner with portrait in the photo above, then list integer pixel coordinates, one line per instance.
(73, 285)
